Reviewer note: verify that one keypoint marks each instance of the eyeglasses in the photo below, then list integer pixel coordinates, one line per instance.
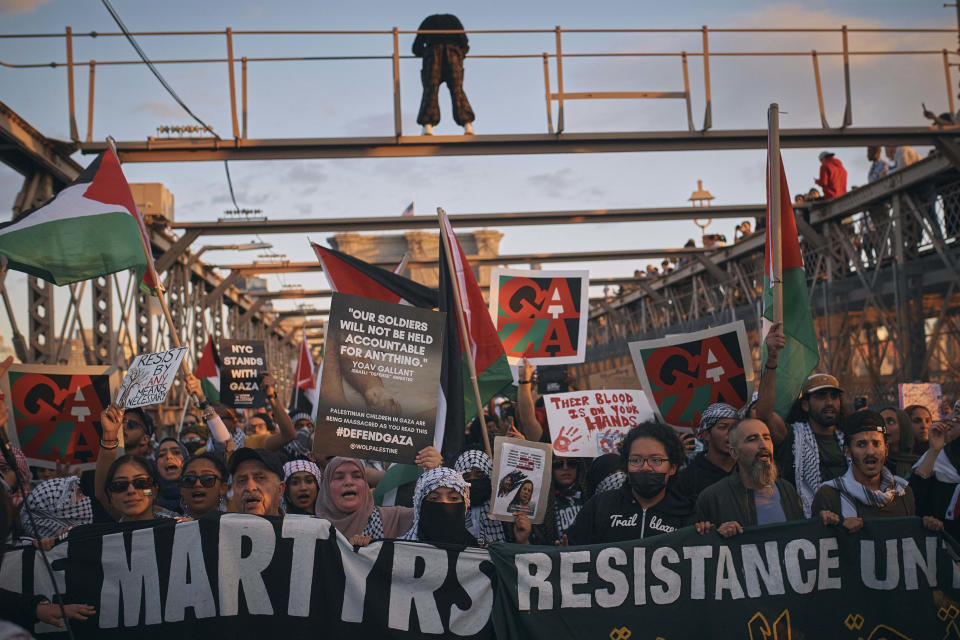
(120, 486)
(207, 480)
(654, 462)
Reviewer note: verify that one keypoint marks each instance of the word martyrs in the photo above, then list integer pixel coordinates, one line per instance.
(380, 379)
(521, 478)
(149, 378)
(541, 315)
(242, 364)
(587, 424)
(55, 412)
(684, 373)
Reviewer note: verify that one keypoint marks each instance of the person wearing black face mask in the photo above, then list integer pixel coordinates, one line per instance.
(477, 468)
(644, 506)
(440, 503)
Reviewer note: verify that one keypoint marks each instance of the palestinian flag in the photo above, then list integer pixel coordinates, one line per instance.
(208, 370)
(490, 360)
(90, 229)
(353, 276)
(303, 399)
(801, 354)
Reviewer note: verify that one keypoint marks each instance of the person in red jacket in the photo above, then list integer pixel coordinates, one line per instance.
(833, 177)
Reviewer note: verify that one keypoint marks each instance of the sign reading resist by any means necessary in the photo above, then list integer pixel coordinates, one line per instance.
(242, 363)
(541, 315)
(380, 379)
(149, 378)
(592, 423)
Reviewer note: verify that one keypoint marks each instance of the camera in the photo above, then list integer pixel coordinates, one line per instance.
(552, 379)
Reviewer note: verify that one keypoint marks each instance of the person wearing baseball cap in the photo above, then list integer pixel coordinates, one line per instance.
(812, 451)
(833, 176)
(257, 482)
(714, 463)
(868, 489)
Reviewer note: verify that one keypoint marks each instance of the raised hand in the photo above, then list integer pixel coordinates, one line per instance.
(110, 420)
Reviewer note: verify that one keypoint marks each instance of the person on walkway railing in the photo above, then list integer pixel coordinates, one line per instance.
(442, 55)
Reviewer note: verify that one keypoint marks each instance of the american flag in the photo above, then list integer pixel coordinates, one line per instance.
(409, 210)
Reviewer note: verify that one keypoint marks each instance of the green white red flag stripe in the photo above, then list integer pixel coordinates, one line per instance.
(90, 229)
(208, 371)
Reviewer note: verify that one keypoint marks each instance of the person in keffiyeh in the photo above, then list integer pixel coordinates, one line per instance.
(477, 468)
(17, 480)
(868, 489)
(57, 504)
(302, 478)
(440, 502)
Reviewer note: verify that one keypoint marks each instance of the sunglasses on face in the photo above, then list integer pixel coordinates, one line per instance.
(207, 480)
(559, 464)
(132, 424)
(120, 486)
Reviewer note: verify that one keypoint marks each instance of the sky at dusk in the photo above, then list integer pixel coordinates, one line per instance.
(354, 98)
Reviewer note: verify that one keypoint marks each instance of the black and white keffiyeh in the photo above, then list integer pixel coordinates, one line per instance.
(477, 520)
(430, 480)
(56, 505)
(806, 462)
(713, 414)
(374, 527)
(851, 492)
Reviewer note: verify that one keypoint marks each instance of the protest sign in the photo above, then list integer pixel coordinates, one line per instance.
(587, 424)
(893, 579)
(149, 378)
(380, 379)
(521, 476)
(685, 373)
(54, 411)
(541, 315)
(926, 394)
(242, 363)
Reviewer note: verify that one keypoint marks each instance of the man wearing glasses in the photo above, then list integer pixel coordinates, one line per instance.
(644, 506)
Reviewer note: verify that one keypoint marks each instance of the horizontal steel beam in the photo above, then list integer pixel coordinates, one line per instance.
(573, 256)
(27, 151)
(460, 220)
(211, 149)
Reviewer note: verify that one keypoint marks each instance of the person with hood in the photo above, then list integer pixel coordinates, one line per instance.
(833, 176)
(900, 441)
(604, 474)
(58, 505)
(714, 463)
(345, 499)
(170, 457)
(564, 501)
(477, 468)
(651, 453)
(302, 478)
(440, 503)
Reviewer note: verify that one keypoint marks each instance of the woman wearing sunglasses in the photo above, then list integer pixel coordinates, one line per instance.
(202, 485)
(125, 486)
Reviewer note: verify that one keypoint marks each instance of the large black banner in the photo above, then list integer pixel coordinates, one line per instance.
(892, 580)
(243, 576)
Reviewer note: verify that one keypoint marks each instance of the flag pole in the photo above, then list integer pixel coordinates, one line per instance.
(174, 336)
(442, 215)
(773, 202)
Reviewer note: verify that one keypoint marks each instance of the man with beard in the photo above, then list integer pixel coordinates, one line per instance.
(754, 495)
(811, 453)
(257, 482)
(713, 464)
(868, 489)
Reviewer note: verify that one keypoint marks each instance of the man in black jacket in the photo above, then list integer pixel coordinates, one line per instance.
(713, 464)
(644, 506)
(442, 55)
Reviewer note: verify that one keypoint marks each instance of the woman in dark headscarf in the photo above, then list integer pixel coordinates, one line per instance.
(170, 458)
(477, 468)
(345, 499)
(440, 504)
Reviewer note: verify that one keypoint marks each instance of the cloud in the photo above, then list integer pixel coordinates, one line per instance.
(20, 6)
(552, 183)
(305, 174)
(160, 109)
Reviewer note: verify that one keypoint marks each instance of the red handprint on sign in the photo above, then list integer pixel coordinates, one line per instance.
(564, 440)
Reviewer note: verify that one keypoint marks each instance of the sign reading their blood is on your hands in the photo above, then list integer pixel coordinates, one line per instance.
(540, 315)
(592, 423)
(684, 373)
(55, 412)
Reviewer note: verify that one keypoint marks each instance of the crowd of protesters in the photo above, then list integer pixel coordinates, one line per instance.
(744, 467)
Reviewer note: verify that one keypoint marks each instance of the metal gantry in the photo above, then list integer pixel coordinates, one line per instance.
(883, 271)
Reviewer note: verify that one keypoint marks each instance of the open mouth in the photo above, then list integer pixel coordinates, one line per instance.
(251, 502)
(349, 494)
(198, 495)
